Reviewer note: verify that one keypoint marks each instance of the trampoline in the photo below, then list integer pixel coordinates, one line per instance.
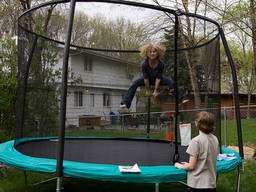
(99, 158)
(42, 141)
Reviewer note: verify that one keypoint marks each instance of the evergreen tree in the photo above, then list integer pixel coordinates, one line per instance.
(168, 58)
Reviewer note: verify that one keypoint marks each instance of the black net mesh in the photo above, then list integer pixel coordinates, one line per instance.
(103, 62)
(38, 96)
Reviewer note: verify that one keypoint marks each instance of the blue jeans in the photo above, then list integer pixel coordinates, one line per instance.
(128, 97)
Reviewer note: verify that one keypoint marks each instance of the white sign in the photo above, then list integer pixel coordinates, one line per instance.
(185, 134)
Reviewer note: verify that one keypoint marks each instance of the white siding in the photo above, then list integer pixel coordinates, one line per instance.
(105, 73)
(107, 76)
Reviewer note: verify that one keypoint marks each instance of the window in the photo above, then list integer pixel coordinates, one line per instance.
(106, 100)
(78, 98)
(87, 64)
(91, 100)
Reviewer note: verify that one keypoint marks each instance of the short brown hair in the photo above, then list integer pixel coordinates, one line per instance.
(144, 50)
(205, 122)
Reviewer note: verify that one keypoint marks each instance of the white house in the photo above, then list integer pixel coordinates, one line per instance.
(104, 82)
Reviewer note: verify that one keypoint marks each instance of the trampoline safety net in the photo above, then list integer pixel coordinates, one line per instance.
(103, 62)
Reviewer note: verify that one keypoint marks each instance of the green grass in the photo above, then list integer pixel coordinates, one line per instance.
(248, 131)
(156, 134)
(76, 184)
(226, 182)
(15, 183)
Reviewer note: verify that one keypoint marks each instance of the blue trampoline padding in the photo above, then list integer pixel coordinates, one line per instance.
(149, 174)
(227, 166)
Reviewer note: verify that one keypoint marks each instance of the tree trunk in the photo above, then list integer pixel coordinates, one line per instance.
(190, 59)
(253, 23)
(193, 79)
(248, 106)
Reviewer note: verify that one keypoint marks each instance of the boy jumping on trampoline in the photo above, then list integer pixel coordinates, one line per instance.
(203, 151)
(152, 70)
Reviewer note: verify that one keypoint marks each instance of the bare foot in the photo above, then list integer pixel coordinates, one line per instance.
(123, 106)
(185, 101)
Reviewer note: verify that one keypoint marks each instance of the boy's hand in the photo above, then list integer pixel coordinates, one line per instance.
(177, 165)
(148, 92)
(180, 165)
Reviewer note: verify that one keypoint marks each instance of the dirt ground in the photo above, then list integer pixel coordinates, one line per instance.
(249, 151)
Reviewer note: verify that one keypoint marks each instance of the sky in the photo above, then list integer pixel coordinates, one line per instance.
(113, 11)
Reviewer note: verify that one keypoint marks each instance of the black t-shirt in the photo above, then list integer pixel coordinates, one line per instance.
(147, 71)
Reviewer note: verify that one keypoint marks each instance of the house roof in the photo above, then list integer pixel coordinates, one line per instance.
(230, 93)
(103, 86)
(101, 55)
(113, 58)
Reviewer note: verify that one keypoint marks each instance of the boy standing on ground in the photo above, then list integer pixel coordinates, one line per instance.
(203, 151)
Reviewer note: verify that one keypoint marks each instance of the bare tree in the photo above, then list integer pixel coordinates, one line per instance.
(188, 30)
(237, 16)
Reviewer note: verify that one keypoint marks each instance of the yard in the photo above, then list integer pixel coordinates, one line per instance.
(15, 180)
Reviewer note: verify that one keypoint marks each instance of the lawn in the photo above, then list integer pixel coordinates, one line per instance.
(248, 130)
(15, 182)
(226, 182)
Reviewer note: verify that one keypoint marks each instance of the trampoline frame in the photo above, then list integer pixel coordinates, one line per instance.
(103, 172)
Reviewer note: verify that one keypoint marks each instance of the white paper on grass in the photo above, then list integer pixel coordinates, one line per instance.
(129, 169)
(185, 134)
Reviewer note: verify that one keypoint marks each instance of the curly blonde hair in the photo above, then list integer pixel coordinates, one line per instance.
(205, 122)
(145, 49)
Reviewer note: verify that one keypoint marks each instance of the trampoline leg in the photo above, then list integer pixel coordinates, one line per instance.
(3, 170)
(58, 188)
(25, 177)
(156, 187)
(240, 170)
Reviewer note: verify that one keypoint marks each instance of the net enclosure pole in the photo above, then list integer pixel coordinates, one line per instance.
(176, 34)
(236, 96)
(148, 117)
(62, 116)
